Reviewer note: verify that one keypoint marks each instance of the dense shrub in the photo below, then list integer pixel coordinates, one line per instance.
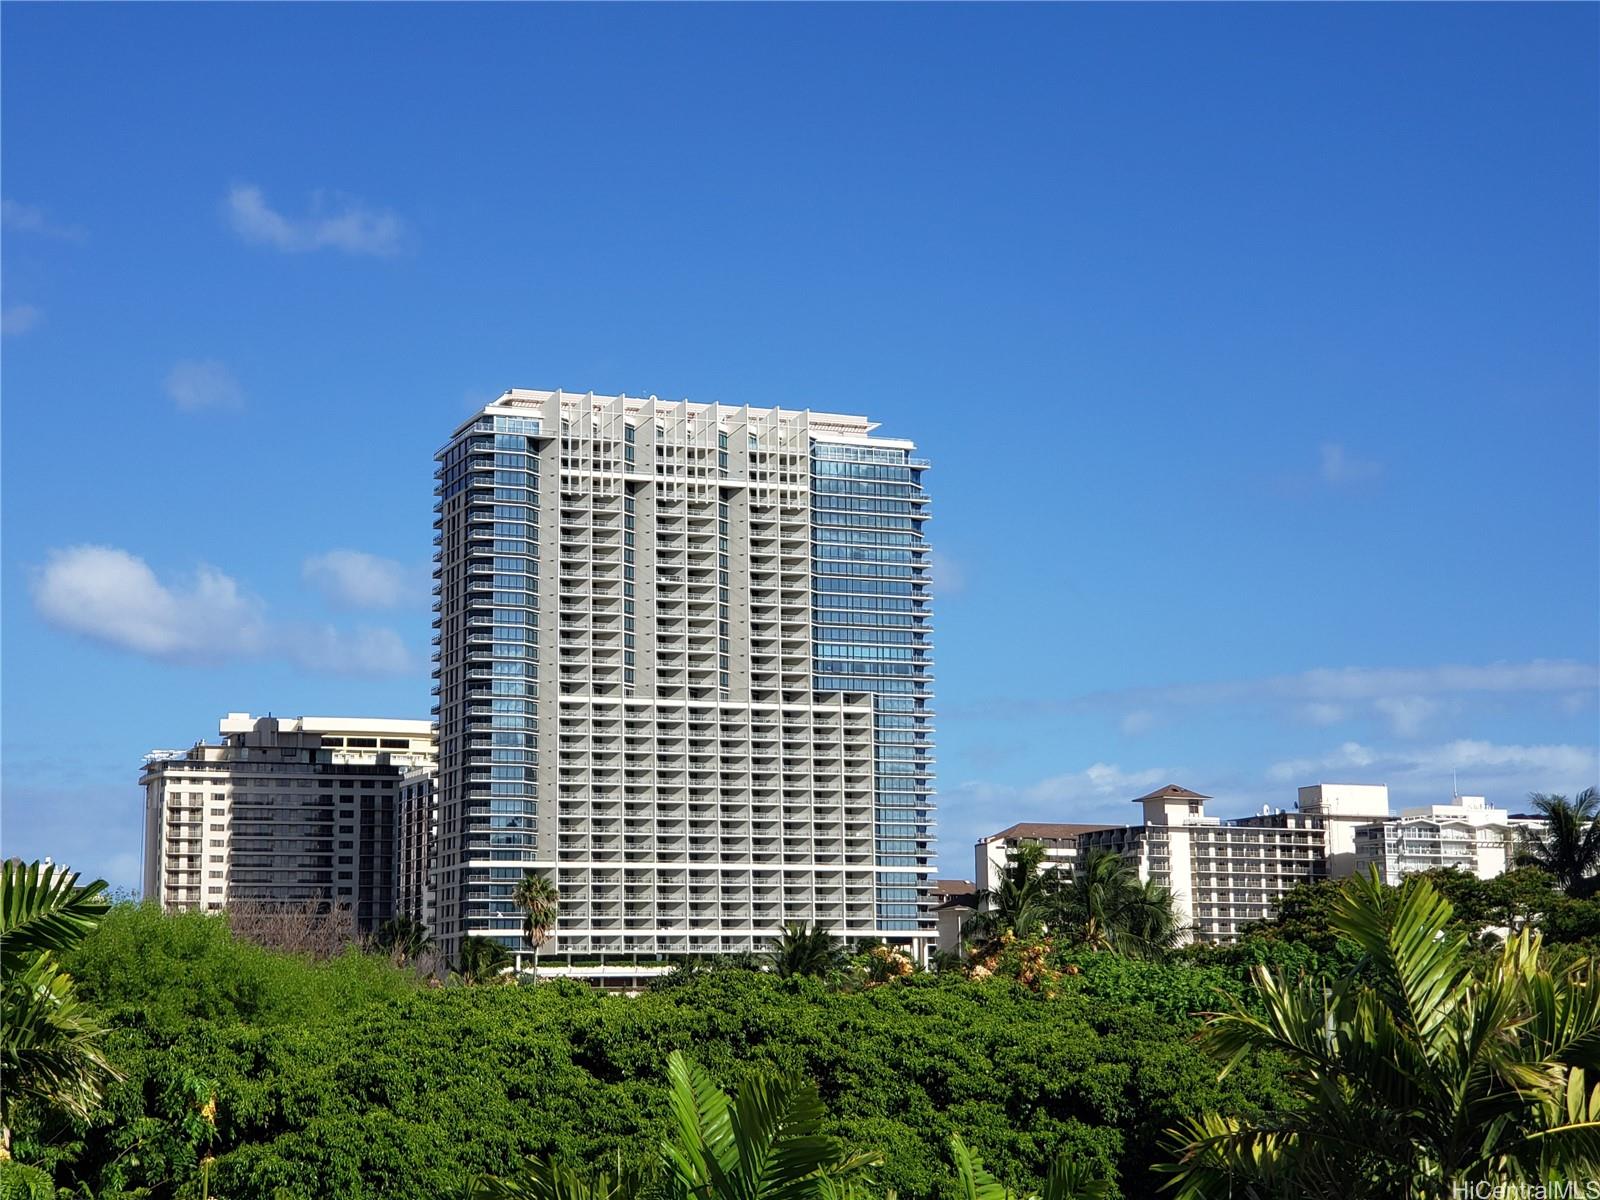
(348, 1079)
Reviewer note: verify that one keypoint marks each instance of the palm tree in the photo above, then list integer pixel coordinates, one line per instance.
(50, 1052)
(803, 951)
(1104, 905)
(767, 1144)
(404, 938)
(1067, 1180)
(536, 896)
(481, 959)
(1018, 904)
(1416, 1074)
(1569, 846)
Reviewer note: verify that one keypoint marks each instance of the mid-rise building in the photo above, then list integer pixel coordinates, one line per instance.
(683, 669)
(1059, 840)
(282, 811)
(1222, 874)
(1466, 834)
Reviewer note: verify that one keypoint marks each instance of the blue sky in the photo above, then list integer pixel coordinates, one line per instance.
(1255, 349)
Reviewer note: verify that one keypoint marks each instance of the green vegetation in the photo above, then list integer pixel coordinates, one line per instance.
(1047, 1067)
(1101, 905)
(535, 898)
(482, 960)
(1418, 1075)
(353, 1078)
(806, 951)
(1569, 847)
(50, 1042)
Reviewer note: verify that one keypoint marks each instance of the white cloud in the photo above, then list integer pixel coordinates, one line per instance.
(1340, 468)
(112, 597)
(1350, 754)
(354, 579)
(1108, 779)
(19, 318)
(1504, 773)
(25, 218)
(197, 385)
(350, 226)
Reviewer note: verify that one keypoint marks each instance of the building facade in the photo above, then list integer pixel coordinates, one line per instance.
(1344, 808)
(416, 834)
(955, 902)
(683, 668)
(282, 811)
(1465, 834)
(1222, 874)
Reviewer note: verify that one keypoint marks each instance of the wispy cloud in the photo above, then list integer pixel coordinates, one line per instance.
(1504, 772)
(25, 218)
(1340, 468)
(355, 579)
(196, 385)
(19, 318)
(1403, 697)
(334, 222)
(114, 598)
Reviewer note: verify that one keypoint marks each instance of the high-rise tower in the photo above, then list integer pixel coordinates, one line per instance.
(683, 667)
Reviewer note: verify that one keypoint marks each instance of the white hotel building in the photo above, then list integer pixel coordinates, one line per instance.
(683, 668)
(1465, 834)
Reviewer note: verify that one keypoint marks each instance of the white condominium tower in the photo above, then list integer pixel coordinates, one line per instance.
(683, 668)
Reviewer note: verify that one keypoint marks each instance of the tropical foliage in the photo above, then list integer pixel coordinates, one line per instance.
(803, 950)
(1568, 848)
(534, 896)
(253, 1074)
(350, 1078)
(767, 1144)
(404, 938)
(1018, 904)
(1103, 905)
(1417, 1074)
(1034, 917)
(51, 1043)
(482, 960)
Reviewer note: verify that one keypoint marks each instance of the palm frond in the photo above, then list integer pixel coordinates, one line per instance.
(43, 908)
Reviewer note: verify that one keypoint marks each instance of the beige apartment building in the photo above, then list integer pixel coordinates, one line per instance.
(282, 810)
(1222, 874)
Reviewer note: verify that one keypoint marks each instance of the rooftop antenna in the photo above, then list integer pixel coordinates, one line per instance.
(1455, 790)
